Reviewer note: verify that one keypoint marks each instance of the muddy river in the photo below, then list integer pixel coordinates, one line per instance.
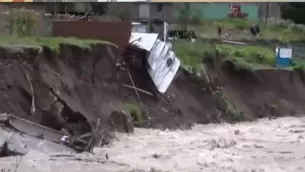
(262, 146)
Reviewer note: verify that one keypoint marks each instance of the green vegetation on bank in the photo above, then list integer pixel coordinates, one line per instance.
(276, 30)
(135, 111)
(20, 24)
(298, 65)
(52, 42)
(192, 54)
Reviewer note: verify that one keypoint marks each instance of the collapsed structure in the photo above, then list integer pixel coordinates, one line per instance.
(157, 56)
(162, 61)
(62, 94)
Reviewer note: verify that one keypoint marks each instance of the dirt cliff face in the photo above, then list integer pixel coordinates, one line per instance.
(261, 93)
(76, 89)
(56, 89)
(271, 92)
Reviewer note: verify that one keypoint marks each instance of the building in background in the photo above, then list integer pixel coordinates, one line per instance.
(144, 10)
(205, 11)
(254, 11)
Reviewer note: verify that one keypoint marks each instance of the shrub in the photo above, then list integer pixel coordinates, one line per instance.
(187, 16)
(21, 22)
(135, 112)
(298, 65)
(225, 104)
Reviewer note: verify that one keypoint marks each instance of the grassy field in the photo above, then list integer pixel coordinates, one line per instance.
(284, 32)
(52, 42)
(192, 55)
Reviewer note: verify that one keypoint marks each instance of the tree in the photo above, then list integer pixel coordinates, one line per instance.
(99, 8)
(78, 8)
(187, 16)
(294, 11)
(21, 22)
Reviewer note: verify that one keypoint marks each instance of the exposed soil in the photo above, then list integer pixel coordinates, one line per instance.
(186, 102)
(253, 94)
(58, 90)
(75, 87)
(262, 93)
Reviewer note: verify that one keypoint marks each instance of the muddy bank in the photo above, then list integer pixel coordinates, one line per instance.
(74, 87)
(271, 92)
(59, 89)
(225, 93)
(187, 101)
(254, 94)
(76, 91)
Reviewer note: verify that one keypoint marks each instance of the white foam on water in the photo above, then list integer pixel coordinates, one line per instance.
(265, 145)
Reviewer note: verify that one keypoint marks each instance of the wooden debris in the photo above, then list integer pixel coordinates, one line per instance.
(33, 108)
(138, 89)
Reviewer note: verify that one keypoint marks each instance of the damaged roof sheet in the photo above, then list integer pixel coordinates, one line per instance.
(164, 65)
(143, 40)
(162, 60)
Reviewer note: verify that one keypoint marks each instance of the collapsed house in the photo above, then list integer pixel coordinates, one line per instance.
(156, 56)
(90, 120)
(162, 61)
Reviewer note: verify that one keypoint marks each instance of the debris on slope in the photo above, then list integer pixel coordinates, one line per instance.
(19, 136)
(162, 63)
(121, 122)
(60, 90)
(76, 93)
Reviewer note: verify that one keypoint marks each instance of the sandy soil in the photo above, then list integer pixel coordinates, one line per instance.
(266, 145)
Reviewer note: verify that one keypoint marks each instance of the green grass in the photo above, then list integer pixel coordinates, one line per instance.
(228, 23)
(192, 55)
(52, 42)
(283, 35)
(248, 56)
(135, 112)
(298, 65)
(227, 106)
(240, 30)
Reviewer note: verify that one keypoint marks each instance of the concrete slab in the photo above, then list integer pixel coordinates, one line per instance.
(24, 143)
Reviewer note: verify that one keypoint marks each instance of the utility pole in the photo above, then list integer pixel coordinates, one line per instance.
(266, 13)
(150, 24)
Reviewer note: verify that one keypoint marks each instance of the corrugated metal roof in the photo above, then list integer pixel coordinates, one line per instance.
(162, 60)
(143, 40)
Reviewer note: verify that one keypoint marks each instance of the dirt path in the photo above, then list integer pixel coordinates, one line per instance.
(265, 145)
